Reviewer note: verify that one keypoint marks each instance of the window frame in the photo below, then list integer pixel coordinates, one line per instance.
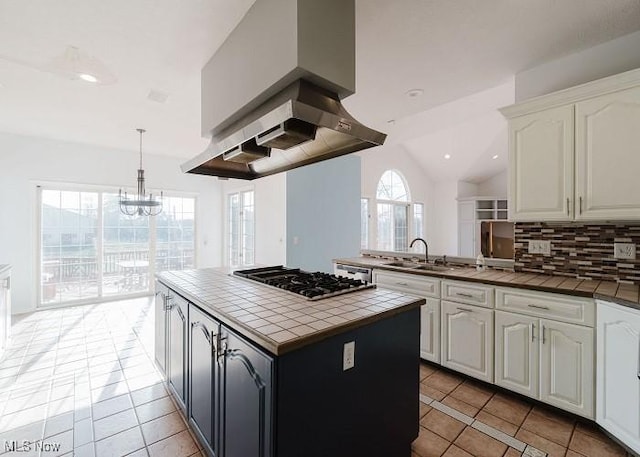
(409, 204)
(227, 226)
(40, 186)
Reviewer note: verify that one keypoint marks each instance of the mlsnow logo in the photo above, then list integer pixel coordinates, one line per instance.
(27, 446)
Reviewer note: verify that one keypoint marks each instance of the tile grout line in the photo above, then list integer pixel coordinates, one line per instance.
(480, 426)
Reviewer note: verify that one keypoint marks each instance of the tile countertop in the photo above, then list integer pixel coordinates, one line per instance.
(623, 294)
(277, 320)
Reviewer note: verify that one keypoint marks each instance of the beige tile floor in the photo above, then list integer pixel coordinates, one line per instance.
(460, 417)
(83, 379)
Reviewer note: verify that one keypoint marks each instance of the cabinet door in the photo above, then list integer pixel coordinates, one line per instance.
(246, 393)
(541, 166)
(608, 156)
(618, 395)
(467, 229)
(566, 367)
(203, 388)
(467, 339)
(430, 330)
(160, 326)
(176, 346)
(517, 354)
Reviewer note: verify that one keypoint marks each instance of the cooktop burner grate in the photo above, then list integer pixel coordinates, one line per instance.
(313, 286)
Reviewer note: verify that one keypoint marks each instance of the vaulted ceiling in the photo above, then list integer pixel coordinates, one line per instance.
(448, 48)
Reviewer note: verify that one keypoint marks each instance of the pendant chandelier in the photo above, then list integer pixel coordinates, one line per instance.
(141, 205)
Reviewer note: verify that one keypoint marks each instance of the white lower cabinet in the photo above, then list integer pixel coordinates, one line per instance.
(566, 367)
(428, 288)
(618, 372)
(517, 354)
(467, 339)
(430, 330)
(548, 360)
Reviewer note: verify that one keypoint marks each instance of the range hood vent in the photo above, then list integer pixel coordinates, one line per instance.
(301, 125)
(281, 107)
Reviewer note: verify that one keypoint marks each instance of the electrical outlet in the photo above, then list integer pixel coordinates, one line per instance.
(540, 247)
(624, 251)
(349, 355)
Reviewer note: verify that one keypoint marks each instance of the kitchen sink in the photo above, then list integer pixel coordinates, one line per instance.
(418, 266)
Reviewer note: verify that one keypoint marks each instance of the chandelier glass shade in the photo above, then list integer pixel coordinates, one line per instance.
(142, 204)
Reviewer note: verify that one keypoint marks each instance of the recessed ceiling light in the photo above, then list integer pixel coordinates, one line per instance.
(413, 93)
(87, 77)
(495, 157)
(447, 156)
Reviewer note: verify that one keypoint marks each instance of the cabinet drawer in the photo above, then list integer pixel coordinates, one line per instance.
(414, 284)
(463, 292)
(546, 305)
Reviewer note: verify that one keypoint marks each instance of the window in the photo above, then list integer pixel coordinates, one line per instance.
(392, 207)
(241, 228)
(398, 220)
(90, 250)
(364, 223)
(175, 234)
(418, 224)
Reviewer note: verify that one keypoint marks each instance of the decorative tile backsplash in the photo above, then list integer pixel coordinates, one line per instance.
(578, 250)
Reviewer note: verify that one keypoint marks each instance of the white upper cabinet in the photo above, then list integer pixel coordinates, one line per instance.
(608, 156)
(541, 166)
(575, 154)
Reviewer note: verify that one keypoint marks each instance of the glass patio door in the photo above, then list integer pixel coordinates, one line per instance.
(69, 240)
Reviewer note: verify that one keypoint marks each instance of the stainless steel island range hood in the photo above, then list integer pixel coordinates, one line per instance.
(271, 93)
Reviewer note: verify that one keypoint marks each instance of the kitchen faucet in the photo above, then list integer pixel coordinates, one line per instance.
(426, 248)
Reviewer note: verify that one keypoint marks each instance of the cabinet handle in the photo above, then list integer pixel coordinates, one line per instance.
(580, 205)
(460, 294)
(533, 328)
(538, 306)
(221, 350)
(465, 309)
(568, 203)
(214, 345)
(402, 284)
(544, 331)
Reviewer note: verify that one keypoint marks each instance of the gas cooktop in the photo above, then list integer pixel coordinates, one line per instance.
(313, 286)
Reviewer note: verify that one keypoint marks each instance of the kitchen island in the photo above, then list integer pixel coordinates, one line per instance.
(261, 372)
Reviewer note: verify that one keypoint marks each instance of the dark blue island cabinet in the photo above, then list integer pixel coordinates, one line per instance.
(243, 401)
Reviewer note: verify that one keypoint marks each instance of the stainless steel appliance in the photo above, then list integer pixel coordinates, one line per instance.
(279, 106)
(353, 272)
(313, 286)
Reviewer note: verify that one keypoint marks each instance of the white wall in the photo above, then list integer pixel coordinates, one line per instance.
(606, 59)
(495, 186)
(270, 212)
(445, 224)
(28, 161)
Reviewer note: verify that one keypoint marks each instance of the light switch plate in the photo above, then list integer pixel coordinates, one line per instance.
(540, 247)
(349, 356)
(624, 251)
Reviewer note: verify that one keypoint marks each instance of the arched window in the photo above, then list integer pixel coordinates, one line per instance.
(392, 195)
(392, 187)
